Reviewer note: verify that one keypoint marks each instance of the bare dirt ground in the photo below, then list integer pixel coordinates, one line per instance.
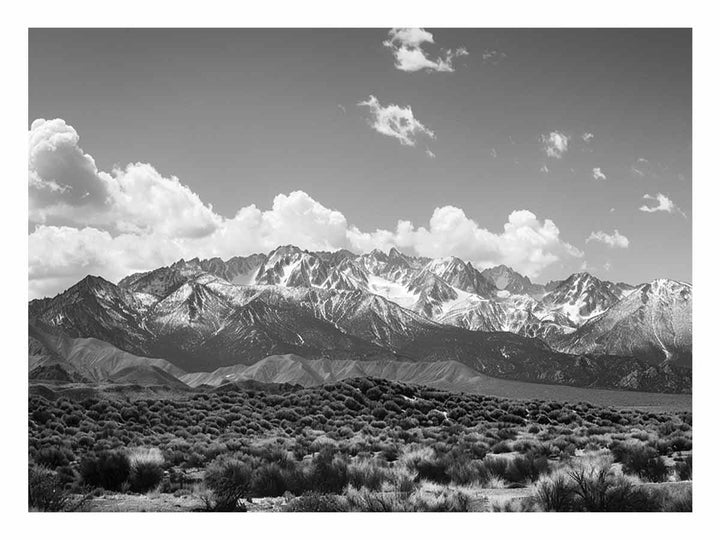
(161, 502)
(482, 499)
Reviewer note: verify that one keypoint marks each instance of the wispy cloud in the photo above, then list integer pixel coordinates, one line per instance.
(396, 121)
(493, 56)
(555, 143)
(587, 136)
(641, 167)
(614, 240)
(407, 47)
(662, 204)
(598, 174)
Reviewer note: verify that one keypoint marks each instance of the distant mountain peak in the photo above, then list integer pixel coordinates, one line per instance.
(91, 282)
(505, 278)
(287, 249)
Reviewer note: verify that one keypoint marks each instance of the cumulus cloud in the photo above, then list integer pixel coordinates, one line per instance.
(65, 187)
(395, 121)
(61, 255)
(587, 136)
(614, 240)
(160, 221)
(526, 243)
(662, 203)
(407, 48)
(598, 174)
(555, 143)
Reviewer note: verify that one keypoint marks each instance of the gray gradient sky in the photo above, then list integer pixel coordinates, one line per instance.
(240, 116)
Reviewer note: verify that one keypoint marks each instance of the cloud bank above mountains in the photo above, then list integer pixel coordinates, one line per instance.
(87, 221)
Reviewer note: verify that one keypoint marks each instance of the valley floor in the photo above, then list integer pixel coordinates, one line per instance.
(505, 388)
(362, 444)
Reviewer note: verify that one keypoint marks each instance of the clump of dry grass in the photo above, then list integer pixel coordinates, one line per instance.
(442, 500)
(146, 469)
(369, 473)
(145, 455)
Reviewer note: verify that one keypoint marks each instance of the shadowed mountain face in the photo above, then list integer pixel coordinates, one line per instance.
(56, 356)
(205, 315)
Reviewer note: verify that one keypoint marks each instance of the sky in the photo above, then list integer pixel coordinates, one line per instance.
(550, 150)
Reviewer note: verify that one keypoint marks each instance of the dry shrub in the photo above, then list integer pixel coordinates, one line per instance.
(368, 473)
(446, 500)
(593, 490)
(146, 469)
(228, 478)
(108, 470)
(683, 468)
(45, 490)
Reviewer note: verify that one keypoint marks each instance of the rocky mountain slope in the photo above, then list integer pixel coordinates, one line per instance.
(202, 315)
(653, 323)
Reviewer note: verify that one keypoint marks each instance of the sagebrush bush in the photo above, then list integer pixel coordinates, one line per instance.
(146, 469)
(513, 470)
(369, 474)
(145, 476)
(228, 478)
(465, 471)
(602, 491)
(54, 456)
(108, 470)
(641, 460)
(556, 495)
(328, 471)
(501, 447)
(434, 469)
(527, 468)
(275, 478)
(45, 490)
(683, 468)
(447, 500)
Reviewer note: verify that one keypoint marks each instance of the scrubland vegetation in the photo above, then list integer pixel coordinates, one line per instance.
(358, 445)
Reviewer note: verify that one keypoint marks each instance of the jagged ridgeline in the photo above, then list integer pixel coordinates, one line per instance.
(310, 317)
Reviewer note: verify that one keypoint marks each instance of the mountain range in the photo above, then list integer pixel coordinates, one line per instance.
(322, 315)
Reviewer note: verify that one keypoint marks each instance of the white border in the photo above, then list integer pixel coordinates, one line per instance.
(368, 13)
